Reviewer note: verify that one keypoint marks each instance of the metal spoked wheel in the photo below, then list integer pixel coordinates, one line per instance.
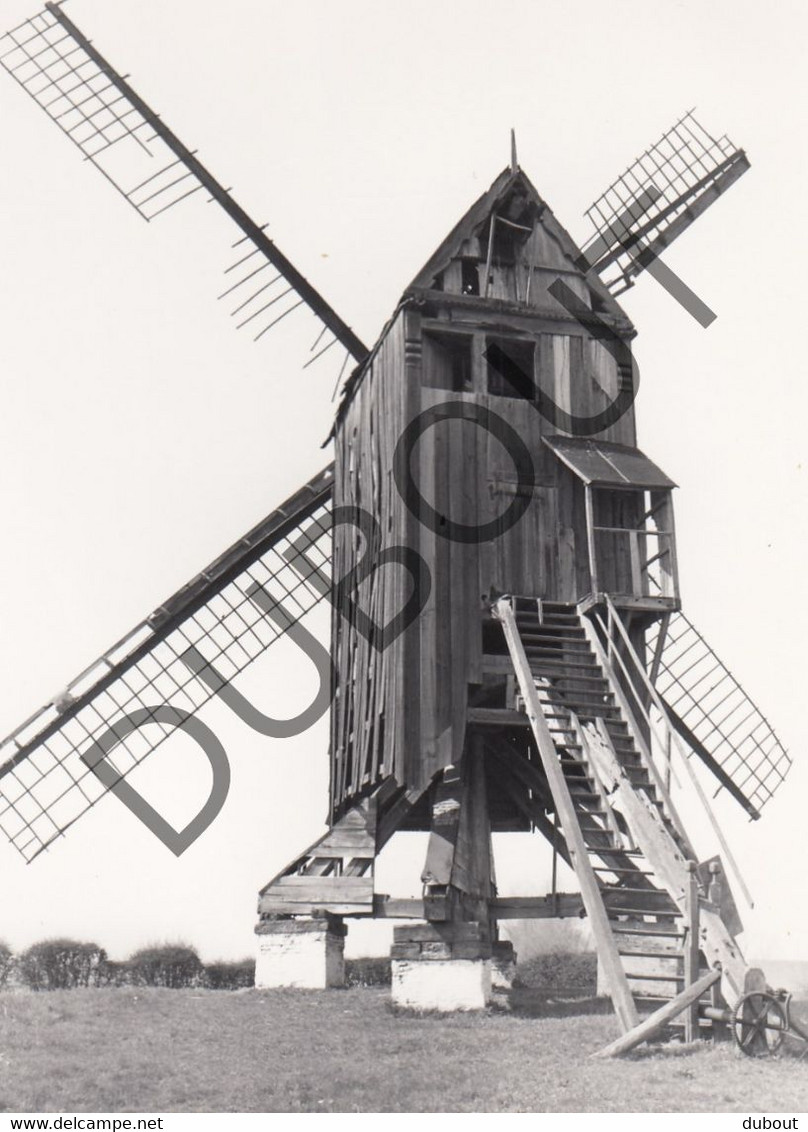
(759, 1025)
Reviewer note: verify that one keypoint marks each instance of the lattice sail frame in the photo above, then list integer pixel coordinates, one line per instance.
(714, 707)
(181, 656)
(659, 195)
(115, 130)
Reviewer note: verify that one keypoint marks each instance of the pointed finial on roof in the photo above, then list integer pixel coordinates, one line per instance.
(514, 163)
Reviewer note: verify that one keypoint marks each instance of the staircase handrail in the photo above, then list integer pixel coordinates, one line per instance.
(673, 735)
(642, 747)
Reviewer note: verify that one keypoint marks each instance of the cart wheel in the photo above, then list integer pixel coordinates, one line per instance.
(759, 1025)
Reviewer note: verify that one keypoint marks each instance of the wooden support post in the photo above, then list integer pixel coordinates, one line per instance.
(656, 661)
(654, 1022)
(437, 872)
(489, 254)
(458, 868)
(555, 856)
(691, 953)
(590, 540)
(590, 893)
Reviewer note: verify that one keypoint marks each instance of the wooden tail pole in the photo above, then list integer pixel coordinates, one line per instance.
(655, 1022)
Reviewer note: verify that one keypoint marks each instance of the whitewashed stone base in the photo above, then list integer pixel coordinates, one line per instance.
(300, 953)
(441, 984)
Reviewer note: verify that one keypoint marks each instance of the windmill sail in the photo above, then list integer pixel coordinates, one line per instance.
(657, 197)
(186, 652)
(153, 170)
(715, 716)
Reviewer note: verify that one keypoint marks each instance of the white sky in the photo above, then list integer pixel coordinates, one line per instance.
(140, 434)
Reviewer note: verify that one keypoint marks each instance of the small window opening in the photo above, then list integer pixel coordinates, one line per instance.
(470, 280)
(447, 361)
(510, 368)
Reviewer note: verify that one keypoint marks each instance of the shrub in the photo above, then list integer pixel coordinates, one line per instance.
(368, 972)
(230, 976)
(560, 969)
(61, 964)
(112, 974)
(170, 965)
(6, 963)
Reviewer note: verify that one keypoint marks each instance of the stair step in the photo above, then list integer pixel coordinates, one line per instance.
(640, 954)
(560, 621)
(622, 889)
(531, 626)
(560, 680)
(618, 910)
(587, 715)
(559, 609)
(640, 928)
(616, 869)
(593, 831)
(663, 905)
(567, 686)
(558, 643)
(531, 619)
(573, 698)
(559, 665)
(610, 847)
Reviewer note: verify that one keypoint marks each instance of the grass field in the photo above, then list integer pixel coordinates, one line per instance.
(346, 1051)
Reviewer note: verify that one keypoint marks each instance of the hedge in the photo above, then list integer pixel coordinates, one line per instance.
(230, 976)
(61, 964)
(169, 965)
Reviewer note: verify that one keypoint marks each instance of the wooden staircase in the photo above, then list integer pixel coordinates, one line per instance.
(646, 923)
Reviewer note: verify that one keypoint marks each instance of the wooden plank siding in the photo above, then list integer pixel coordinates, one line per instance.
(402, 711)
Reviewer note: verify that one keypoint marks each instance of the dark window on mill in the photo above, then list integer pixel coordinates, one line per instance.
(470, 278)
(447, 361)
(510, 367)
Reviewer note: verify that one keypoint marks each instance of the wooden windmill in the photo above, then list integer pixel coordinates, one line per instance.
(508, 651)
